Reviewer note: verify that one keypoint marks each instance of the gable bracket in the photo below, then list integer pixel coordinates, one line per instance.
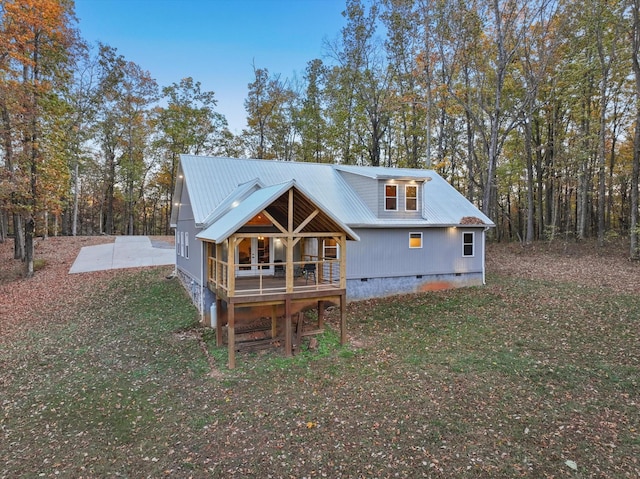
(307, 221)
(275, 222)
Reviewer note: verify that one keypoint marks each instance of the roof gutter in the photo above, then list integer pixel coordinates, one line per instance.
(417, 225)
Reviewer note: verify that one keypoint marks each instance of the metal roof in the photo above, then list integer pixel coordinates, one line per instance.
(211, 179)
(242, 211)
(234, 218)
(383, 173)
(215, 184)
(444, 205)
(233, 200)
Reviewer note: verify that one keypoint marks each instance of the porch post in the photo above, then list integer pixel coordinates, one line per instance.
(343, 261)
(289, 267)
(231, 331)
(218, 268)
(218, 322)
(231, 268)
(287, 327)
(343, 318)
(320, 257)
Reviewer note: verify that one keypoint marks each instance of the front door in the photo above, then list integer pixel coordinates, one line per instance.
(253, 256)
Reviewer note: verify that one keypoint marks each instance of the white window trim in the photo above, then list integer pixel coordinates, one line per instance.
(407, 197)
(186, 245)
(421, 239)
(324, 248)
(385, 196)
(181, 243)
(473, 244)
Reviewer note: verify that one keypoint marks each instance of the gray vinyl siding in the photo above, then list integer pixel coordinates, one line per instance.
(386, 253)
(400, 213)
(190, 266)
(364, 187)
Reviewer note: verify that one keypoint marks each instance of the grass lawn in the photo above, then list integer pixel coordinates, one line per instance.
(520, 378)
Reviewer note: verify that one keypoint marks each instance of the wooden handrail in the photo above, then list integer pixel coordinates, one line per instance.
(325, 269)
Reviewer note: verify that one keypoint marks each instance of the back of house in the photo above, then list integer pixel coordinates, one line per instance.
(407, 230)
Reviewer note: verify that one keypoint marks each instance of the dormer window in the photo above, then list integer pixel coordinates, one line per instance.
(390, 197)
(411, 198)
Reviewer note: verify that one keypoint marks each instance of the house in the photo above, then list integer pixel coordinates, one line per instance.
(268, 239)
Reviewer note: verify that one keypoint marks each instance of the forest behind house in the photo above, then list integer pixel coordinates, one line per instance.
(531, 108)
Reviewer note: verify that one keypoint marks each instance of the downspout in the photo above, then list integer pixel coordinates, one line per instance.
(175, 248)
(203, 259)
(484, 253)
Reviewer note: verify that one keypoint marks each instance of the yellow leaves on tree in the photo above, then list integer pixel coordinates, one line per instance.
(29, 25)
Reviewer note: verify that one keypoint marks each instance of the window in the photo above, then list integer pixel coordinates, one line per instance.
(390, 197)
(177, 242)
(181, 243)
(330, 249)
(467, 244)
(186, 245)
(411, 198)
(415, 240)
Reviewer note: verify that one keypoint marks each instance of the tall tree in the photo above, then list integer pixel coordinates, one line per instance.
(408, 47)
(267, 113)
(635, 176)
(81, 99)
(311, 117)
(127, 93)
(360, 93)
(37, 39)
(497, 107)
(187, 124)
(109, 130)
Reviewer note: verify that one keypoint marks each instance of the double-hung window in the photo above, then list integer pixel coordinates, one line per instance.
(467, 244)
(390, 197)
(411, 198)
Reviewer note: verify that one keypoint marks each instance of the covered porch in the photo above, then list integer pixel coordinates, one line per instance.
(280, 255)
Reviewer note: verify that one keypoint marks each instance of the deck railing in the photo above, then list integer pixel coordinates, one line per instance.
(271, 278)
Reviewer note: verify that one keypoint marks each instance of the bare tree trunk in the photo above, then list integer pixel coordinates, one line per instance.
(29, 228)
(4, 231)
(109, 197)
(530, 200)
(18, 237)
(45, 226)
(605, 64)
(633, 237)
(471, 183)
(582, 199)
(76, 194)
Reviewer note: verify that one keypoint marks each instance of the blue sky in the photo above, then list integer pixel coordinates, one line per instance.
(215, 42)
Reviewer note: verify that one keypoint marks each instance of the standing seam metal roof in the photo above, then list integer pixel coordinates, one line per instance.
(211, 181)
